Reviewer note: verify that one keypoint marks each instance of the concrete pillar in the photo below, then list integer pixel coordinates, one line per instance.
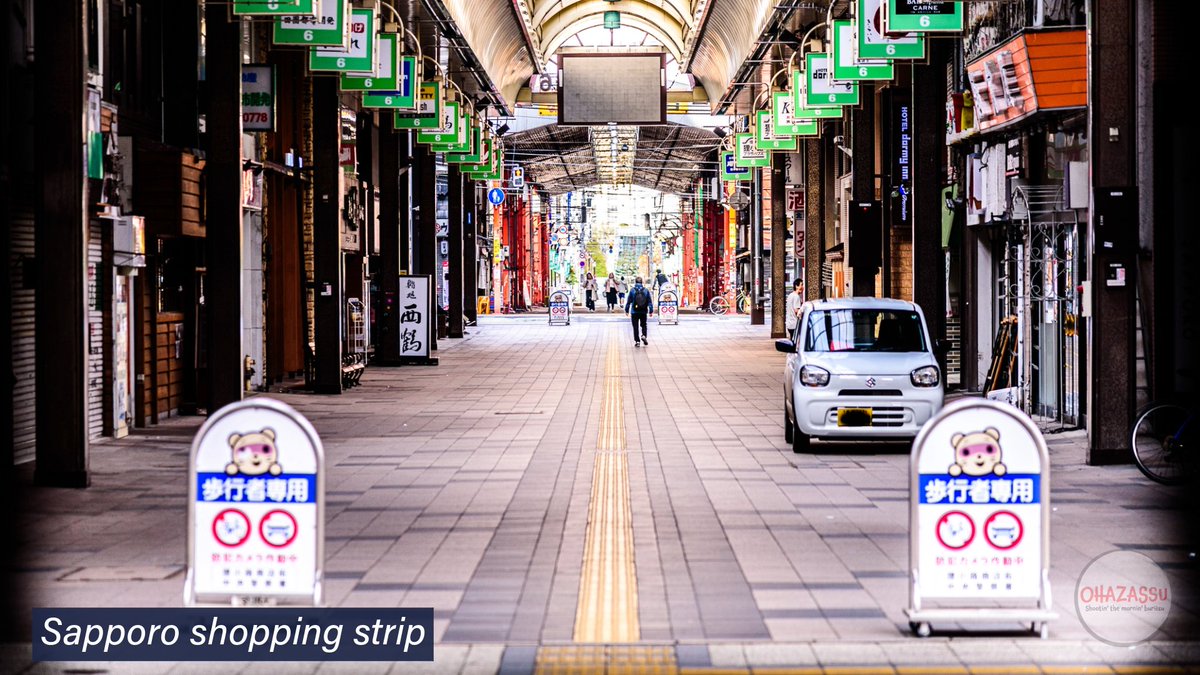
(757, 311)
(862, 141)
(388, 322)
(327, 240)
(425, 225)
(61, 244)
(814, 218)
(1113, 229)
(470, 247)
(929, 153)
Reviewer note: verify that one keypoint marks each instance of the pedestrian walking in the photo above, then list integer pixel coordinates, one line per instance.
(589, 290)
(610, 291)
(622, 288)
(660, 279)
(639, 306)
(795, 300)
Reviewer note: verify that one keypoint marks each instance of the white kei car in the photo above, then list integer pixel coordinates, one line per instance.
(859, 369)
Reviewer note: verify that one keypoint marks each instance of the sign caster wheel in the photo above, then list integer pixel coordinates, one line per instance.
(1043, 630)
(922, 629)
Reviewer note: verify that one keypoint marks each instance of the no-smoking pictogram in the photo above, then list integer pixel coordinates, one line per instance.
(955, 530)
(1003, 529)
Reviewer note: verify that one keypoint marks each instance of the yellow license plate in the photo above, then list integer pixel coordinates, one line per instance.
(854, 417)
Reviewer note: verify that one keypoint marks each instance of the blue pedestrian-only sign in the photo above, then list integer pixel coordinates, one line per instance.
(496, 196)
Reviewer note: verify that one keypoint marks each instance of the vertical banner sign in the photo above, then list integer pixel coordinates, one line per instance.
(668, 308)
(358, 55)
(902, 151)
(821, 89)
(847, 64)
(331, 26)
(416, 316)
(922, 16)
(256, 503)
(560, 309)
(258, 98)
(730, 170)
(980, 517)
(747, 154)
(873, 44)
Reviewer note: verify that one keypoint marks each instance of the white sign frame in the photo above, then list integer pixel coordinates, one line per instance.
(421, 285)
(668, 317)
(291, 429)
(961, 420)
(565, 302)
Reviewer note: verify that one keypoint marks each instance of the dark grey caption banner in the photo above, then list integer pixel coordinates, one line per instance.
(233, 634)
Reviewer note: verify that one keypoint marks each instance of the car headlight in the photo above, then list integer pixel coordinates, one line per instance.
(812, 376)
(925, 376)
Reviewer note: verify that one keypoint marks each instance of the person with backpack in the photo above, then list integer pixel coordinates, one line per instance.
(639, 306)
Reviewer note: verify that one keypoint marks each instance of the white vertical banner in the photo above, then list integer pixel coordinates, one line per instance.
(416, 322)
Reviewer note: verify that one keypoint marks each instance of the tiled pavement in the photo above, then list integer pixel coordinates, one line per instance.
(466, 487)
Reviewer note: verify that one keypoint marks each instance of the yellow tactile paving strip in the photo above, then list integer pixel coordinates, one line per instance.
(607, 660)
(655, 660)
(607, 610)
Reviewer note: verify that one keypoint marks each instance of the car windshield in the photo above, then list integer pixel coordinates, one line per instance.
(864, 330)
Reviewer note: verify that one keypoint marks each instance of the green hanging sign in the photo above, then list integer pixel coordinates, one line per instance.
(447, 132)
(359, 53)
(921, 16)
(462, 139)
(429, 109)
(846, 63)
(730, 169)
(275, 8)
(783, 107)
(330, 27)
(764, 133)
(821, 90)
(747, 154)
(873, 44)
(384, 76)
(474, 154)
(403, 96)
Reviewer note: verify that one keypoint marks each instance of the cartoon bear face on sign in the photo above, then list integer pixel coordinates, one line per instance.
(254, 454)
(977, 454)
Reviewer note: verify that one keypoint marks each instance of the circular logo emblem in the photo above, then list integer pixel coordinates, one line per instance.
(278, 528)
(955, 530)
(1122, 598)
(1004, 530)
(231, 527)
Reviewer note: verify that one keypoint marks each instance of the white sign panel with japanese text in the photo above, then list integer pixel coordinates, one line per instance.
(255, 507)
(416, 324)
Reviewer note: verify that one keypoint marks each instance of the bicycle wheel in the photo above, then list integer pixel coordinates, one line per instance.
(743, 304)
(1159, 439)
(718, 305)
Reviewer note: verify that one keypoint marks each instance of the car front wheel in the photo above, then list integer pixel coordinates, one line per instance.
(800, 440)
(789, 430)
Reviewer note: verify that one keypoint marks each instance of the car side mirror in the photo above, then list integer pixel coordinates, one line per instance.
(786, 346)
(942, 347)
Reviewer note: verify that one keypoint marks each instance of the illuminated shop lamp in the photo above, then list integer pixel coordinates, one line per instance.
(612, 20)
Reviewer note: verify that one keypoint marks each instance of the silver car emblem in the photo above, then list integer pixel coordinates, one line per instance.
(871, 382)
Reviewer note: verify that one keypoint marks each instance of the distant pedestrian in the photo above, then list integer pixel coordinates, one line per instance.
(622, 288)
(589, 289)
(639, 306)
(660, 279)
(610, 291)
(795, 300)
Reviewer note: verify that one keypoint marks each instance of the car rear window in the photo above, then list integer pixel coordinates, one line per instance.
(864, 330)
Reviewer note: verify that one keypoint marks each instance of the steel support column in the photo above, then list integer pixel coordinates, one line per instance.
(327, 240)
(814, 218)
(388, 345)
(470, 249)
(862, 141)
(1111, 87)
(779, 288)
(454, 251)
(757, 311)
(425, 229)
(61, 244)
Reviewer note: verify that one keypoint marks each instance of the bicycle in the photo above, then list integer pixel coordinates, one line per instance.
(1164, 443)
(718, 305)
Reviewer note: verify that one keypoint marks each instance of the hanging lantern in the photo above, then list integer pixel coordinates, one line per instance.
(612, 20)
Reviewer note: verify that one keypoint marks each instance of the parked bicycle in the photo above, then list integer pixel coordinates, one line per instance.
(1164, 443)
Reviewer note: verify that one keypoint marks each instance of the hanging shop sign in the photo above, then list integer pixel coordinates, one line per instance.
(429, 109)
(979, 523)
(730, 170)
(921, 16)
(820, 89)
(331, 26)
(358, 55)
(560, 309)
(401, 97)
(783, 107)
(474, 153)
(256, 507)
(416, 313)
(258, 97)
(764, 133)
(275, 7)
(901, 135)
(461, 140)
(385, 76)
(1030, 72)
(874, 44)
(747, 154)
(447, 132)
(847, 65)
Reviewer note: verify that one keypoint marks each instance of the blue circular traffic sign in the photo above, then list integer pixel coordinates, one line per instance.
(496, 196)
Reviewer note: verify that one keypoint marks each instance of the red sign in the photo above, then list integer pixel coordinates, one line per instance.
(795, 199)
